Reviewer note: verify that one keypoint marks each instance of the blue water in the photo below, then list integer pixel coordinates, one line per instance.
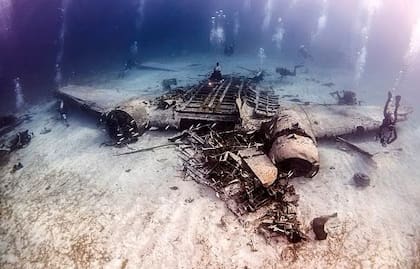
(85, 36)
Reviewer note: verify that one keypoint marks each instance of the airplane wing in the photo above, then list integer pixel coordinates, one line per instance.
(325, 121)
(95, 99)
(329, 121)
(335, 120)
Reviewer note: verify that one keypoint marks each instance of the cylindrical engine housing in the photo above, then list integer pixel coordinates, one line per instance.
(293, 144)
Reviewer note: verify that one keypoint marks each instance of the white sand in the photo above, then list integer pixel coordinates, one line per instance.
(76, 205)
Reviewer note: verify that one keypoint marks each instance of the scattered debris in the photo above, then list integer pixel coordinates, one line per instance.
(166, 104)
(313, 80)
(45, 130)
(223, 161)
(252, 246)
(260, 165)
(361, 180)
(328, 84)
(223, 222)
(19, 140)
(318, 226)
(354, 147)
(146, 149)
(17, 167)
(189, 200)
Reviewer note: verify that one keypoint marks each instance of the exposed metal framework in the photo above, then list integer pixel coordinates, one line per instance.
(214, 102)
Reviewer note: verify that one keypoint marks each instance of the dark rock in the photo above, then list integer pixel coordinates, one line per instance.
(17, 167)
(361, 180)
(4, 157)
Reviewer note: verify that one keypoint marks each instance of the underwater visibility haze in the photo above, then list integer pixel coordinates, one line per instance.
(110, 110)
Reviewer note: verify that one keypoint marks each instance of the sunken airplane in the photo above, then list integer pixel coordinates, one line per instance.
(293, 129)
(240, 141)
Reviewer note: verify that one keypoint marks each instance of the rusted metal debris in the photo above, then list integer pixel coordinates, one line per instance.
(318, 226)
(264, 102)
(146, 149)
(19, 140)
(260, 165)
(213, 102)
(223, 160)
(172, 98)
(354, 147)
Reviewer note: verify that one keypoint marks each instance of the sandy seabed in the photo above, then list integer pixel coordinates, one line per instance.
(77, 205)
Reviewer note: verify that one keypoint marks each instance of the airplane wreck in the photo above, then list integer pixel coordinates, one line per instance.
(237, 139)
